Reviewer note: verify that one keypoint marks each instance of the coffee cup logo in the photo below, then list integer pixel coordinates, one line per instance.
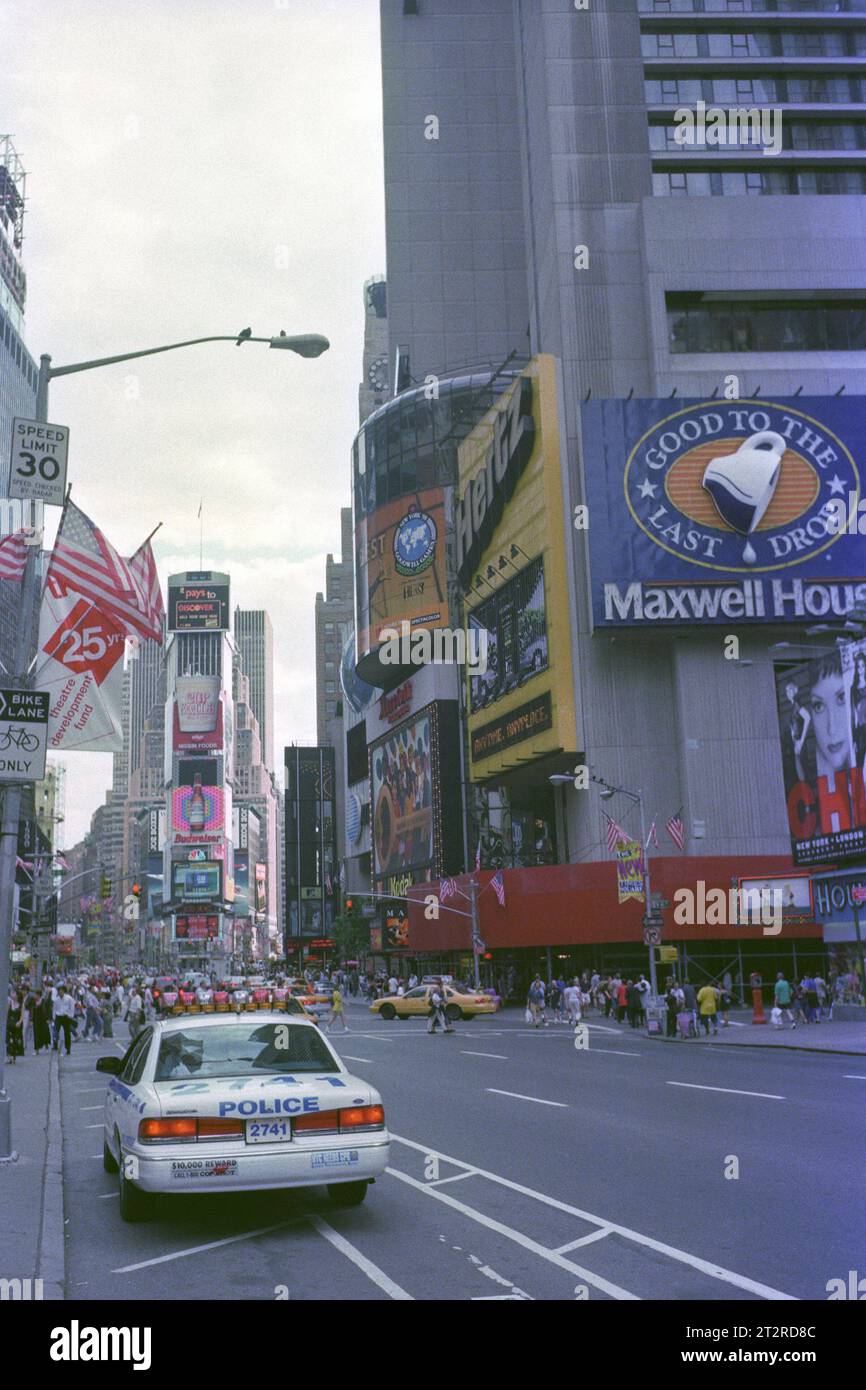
(742, 484)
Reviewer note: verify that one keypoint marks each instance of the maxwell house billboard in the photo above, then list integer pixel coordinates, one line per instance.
(713, 511)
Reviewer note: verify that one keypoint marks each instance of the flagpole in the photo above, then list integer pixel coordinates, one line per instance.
(201, 534)
(146, 539)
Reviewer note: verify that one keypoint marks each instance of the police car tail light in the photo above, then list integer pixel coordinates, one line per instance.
(156, 1131)
(362, 1117)
(320, 1122)
(220, 1129)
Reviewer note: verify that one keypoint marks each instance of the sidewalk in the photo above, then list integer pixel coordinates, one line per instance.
(849, 1038)
(31, 1189)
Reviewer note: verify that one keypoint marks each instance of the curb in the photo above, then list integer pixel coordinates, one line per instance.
(785, 1047)
(52, 1241)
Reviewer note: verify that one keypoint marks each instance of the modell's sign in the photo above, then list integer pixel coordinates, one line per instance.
(822, 725)
(478, 511)
(723, 511)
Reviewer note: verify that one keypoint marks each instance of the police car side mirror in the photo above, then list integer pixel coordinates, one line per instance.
(110, 1064)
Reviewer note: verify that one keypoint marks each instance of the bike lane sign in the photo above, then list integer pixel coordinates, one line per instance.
(23, 734)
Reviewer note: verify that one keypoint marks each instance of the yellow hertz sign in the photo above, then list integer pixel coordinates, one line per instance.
(517, 590)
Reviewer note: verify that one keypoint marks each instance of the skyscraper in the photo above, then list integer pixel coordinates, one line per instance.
(254, 639)
(334, 617)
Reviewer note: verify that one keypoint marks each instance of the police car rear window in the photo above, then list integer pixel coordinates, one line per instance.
(242, 1049)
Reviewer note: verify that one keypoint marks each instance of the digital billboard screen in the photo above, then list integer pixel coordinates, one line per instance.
(400, 568)
(515, 622)
(402, 793)
(701, 512)
(198, 606)
(197, 882)
(822, 727)
(200, 927)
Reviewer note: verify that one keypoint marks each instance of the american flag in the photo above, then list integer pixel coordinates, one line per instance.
(497, 883)
(25, 864)
(676, 829)
(447, 889)
(142, 567)
(615, 833)
(652, 837)
(84, 561)
(478, 856)
(13, 556)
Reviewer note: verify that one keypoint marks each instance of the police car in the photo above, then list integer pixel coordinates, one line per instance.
(238, 1103)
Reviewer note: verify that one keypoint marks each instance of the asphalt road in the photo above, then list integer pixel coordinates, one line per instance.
(521, 1168)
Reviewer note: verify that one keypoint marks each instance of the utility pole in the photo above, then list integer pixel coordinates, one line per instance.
(473, 903)
(13, 792)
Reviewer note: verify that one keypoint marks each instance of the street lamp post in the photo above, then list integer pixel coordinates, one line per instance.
(637, 797)
(305, 345)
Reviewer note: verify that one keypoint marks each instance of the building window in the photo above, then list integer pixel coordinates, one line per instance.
(806, 325)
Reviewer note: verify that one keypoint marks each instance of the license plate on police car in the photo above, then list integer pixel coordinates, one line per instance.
(268, 1131)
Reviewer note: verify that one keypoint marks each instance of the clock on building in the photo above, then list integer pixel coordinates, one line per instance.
(378, 373)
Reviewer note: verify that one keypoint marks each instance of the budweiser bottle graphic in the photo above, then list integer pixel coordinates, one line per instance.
(197, 810)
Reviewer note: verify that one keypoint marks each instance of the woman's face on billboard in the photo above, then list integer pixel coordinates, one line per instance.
(827, 703)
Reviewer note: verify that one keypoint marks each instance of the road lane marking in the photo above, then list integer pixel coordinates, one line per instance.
(714, 1271)
(583, 1240)
(497, 1056)
(97, 1126)
(349, 1058)
(614, 1052)
(89, 1107)
(728, 1090)
(211, 1245)
(852, 1076)
(455, 1177)
(373, 1272)
(518, 1237)
(535, 1099)
(106, 1196)
(90, 1090)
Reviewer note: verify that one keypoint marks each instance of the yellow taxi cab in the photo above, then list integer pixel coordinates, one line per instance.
(416, 1003)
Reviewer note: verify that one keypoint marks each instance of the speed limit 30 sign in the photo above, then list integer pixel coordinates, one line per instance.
(38, 465)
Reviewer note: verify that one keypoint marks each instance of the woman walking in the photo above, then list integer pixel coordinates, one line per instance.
(14, 1030)
(42, 1022)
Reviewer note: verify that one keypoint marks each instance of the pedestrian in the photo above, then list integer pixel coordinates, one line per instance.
(555, 998)
(690, 1006)
(782, 999)
(42, 1022)
(632, 1000)
(708, 1002)
(64, 1015)
(724, 1004)
(622, 1000)
(811, 998)
(798, 999)
(821, 991)
(135, 1013)
(535, 1002)
(673, 997)
(572, 1001)
(14, 1029)
(437, 1013)
(337, 1011)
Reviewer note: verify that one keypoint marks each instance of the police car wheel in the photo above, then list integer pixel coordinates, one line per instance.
(388, 1011)
(109, 1162)
(347, 1194)
(135, 1205)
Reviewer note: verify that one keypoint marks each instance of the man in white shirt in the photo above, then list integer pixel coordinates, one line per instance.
(571, 1001)
(392, 985)
(64, 1013)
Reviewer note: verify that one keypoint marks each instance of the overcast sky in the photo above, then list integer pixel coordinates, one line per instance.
(195, 167)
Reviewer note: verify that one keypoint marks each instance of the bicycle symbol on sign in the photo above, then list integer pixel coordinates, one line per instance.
(18, 738)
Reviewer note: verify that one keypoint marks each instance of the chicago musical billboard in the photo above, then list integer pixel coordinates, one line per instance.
(712, 511)
(822, 725)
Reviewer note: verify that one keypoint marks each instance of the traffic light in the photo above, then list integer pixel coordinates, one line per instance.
(105, 887)
(136, 890)
(349, 904)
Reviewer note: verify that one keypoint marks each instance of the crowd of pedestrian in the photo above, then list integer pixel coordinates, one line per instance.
(58, 1012)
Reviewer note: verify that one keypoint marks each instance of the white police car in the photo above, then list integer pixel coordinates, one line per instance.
(238, 1102)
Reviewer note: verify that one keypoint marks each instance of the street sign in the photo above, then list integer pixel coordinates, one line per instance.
(38, 465)
(23, 734)
(652, 929)
(667, 955)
